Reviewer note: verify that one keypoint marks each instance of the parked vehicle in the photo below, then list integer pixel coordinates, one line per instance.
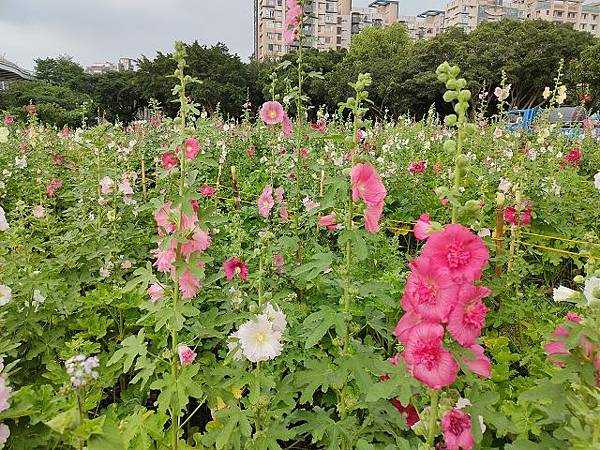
(571, 119)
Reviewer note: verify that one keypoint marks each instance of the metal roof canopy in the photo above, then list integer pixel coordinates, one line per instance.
(12, 72)
(382, 3)
(430, 13)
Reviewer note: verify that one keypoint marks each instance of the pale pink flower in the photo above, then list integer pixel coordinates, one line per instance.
(155, 292)
(456, 427)
(5, 392)
(309, 204)
(479, 364)
(125, 187)
(279, 192)
(38, 212)
(192, 148)
(189, 285)
(328, 221)
(52, 186)
(106, 185)
(283, 213)
(166, 219)
(286, 126)
(272, 113)
(430, 291)
(165, 257)
(278, 262)
(235, 266)
(423, 229)
(4, 433)
(468, 316)
(426, 359)
(266, 202)
(186, 355)
(456, 248)
(207, 191)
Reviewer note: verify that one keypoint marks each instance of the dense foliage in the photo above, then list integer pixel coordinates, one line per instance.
(403, 74)
(201, 282)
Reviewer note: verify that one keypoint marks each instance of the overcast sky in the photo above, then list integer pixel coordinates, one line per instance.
(104, 30)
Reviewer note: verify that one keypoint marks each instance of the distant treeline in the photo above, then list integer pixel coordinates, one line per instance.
(403, 71)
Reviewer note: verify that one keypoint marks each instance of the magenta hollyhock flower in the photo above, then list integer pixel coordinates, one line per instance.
(207, 191)
(272, 113)
(8, 120)
(155, 292)
(468, 316)
(417, 167)
(430, 291)
(286, 126)
(328, 221)
(456, 427)
(426, 359)
(458, 249)
(189, 285)
(265, 201)
(572, 159)
(367, 185)
(423, 229)
(169, 160)
(235, 266)
(479, 364)
(186, 355)
(192, 148)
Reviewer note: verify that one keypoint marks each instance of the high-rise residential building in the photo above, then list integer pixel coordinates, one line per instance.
(582, 15)
(122, 65)
(329, 24)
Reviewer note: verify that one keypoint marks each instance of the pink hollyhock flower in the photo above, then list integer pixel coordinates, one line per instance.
(278, 262)
(8, 120)
(524, 217)
(207, 191)
(192, 147)
(558, 346)
(286, 126)
(66, 132)
(303, 153)
(456, 427)
(189, 285)
(279, 192)
(426, 359)
(444, 201)
(125, 187)
(309, 204)
(166, 219)
(165, 257)
(328, 221)
(479, 364)
(430, 291)
(417, 167)
(468, 317)
(283, 213)
(408, 321)
(292, 21)
(272, 113)
(251, 151)
(266, 202)
(456, 248)
(422, 229)
(169, 160)
(155, 292)
(235, 266)
(367, 185)
(58, 159)
(200, 241)
(373, 215)
(186, 355)
(52, 186)
(106, 185)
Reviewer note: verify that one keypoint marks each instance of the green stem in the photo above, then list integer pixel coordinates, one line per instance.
(432, 418)
(457, 177)
(299, 131)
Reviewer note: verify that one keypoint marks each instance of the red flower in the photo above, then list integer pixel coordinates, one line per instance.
(169, 160)
(233, 267)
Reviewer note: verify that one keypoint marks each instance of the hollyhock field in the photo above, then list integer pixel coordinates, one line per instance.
(301, 279)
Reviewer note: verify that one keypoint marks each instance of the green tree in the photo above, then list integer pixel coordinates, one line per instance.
(585, 71)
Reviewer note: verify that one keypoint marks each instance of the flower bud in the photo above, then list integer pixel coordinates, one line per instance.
(450, 146)
(450, 120)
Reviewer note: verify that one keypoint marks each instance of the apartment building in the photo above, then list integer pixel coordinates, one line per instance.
(468, 14)
(582, 15)
(329, 24)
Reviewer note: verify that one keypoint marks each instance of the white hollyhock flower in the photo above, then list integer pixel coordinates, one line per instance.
(504, 185)
(4, 433)
(597, 180)
(21, 162)
(5, 294)
(592, 290)
(259, 341)
(3, 223)
(563, 294)
(233, 344)
(276, 317)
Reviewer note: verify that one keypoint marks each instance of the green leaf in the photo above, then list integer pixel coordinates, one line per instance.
(319, 322)
(318, 264)
(132, 347)
(318, 374)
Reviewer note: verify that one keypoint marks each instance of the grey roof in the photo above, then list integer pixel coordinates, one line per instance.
(10, 71)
